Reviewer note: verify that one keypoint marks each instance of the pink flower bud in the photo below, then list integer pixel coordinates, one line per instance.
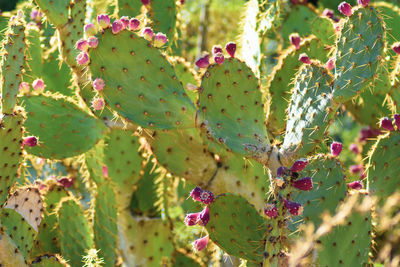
(82, 58)
(38, 85)
(304, 184)
(295, 40)
(294, 208)
(396, 48)
(354, 148)
(97, 103)
(356, 185)
(230, 49)
(196, 193)
(336, 148)
(92, 42)
(90, 29)
(204, 61)
(66, 182)
(304, 58)
(30, 141)
(387, 124)
(125, 21)
(192, 219)
(207, 197)
(328, 13)
(368, 133)
(363, 3)
(356, 168)
(204, 216)
(219, 58)
(330, 65)
(299, 165)
(271, 211)
(396, 118)
(82, 45)
(145, 2)
(117, 26)
(134, 24)
(24, 87)
(104, 170)
(160, 39)
(104, 21)
(200, 244)
(98, 84)
(345, 9)
(147, 34)
(217, 49)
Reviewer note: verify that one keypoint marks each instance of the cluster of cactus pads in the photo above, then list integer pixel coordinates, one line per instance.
(117, 151)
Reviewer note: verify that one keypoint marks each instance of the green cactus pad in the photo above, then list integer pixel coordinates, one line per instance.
(130, 8)
(10, 255)
(64, 130)
(280, 81)
(329, 189)
(144, 241)
(163, 15)
(231, 108)
(94, 160)
(10, 151)
(310, 111)
(182, 259)
(49, 261)
(383, 170)
(56, 11)
(186, 75)
(359, 52)
(105, 223)
(237, 228)
(12, 62)
(147, 91)
(33, 63)
(183, 154)
(324, 30)
(75, 234)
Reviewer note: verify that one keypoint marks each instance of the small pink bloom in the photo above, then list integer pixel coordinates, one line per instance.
(196, 193)
(90, 29)
(304, 184)
(368, 133)
(363, 3)
(354, 148)
(357, 185)
(299, 165)
(204, 61)
(192, 219)
(396, 118)
(230, 49)
(117, 26)
(134, 24)
(147, 34)
(356, 168)
(30, 141)
(82, 45)
(38, 85)
(98, 84)
(207, 197)
(271, 211)
(200, 244)
(160, 39)
(204, 216)
(295, 40)
(336, 148)
(387, 124)
(330, 65)
(304, 58)
(217, 49)
(345, 9)
(24, 87)
(294, 208)
(125, 21)
(97, 103)
(93, 42)
(82, 58)
(104, 170)
(396, 48)
(104, 21)
(219, 58)
(66, 182)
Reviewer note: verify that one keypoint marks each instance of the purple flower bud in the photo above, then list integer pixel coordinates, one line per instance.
(117, 26)
(201, 243)
(217, 49)
(230, 49)
(295, 40)
(363, 3)
(147, 34)
(30, 141)
(24, 87)
(330, 65)
(97, 103)
(66, 182)
(38, 85)
(328, 13)
(387, 124)
(196, 193)
(368, 133)
(299, 165)
(207, 197)
(90, 29)
(357, 185)
(134, 24)
(282, 171)
(203, 61)
(125, 21)
(294, 208)
(396, 118)
(345, 9)
(396, 48)
(145, 2)
(192, 219)
(304, 184)
(82, 58)
(104, 170)
(304, 58)
(336, 148)
(271, 210)
(160, 39)
(204, 216)
(98, 84)
(92, 42)
(82, 45)
(219, 58)
(354, 148)
(104, 21)
(356, 168)
(36, 15)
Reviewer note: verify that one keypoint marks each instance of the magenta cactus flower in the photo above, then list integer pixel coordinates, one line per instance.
(204, 61)
(117, 26)
(386, 124)
(30, 141)
(303, 57)
(90, 29)
(93, 42)
(219, 58)
(24, 87)
(396, 118)
(66, 182)
(82, 45)
(295, 40)
(38, 85)
(134, 24)
(396, 48)
(356, 185)
(271, 210)
(303, 184)
(97, 103)
(125, 21)
(368, 133)
(160, 39)
(82, 58)
(345, 9)
(200, 244)
(98, 84)
(192, 219)
(204, 216)
(104, 21)
(294, 208)
(217, 49)
(195, 194)
(336, 148)
(148, 34)
(299, 165)
(207, 197)
(145, 2)
(363, 3)
(230, 49)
